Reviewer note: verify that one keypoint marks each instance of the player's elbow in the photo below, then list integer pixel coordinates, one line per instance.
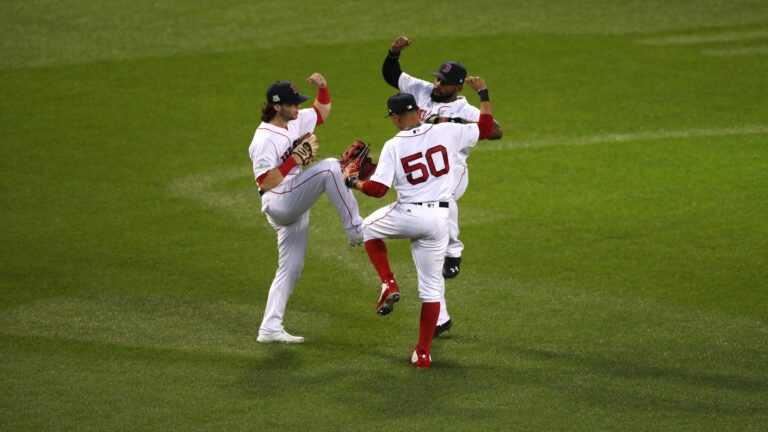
(323, 110)
(391, 71)
(486, 126)
(496, 134)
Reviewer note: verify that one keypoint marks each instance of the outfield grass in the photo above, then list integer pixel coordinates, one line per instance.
(616, 264)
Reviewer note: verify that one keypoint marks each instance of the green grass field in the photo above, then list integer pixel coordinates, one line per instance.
(615, 276)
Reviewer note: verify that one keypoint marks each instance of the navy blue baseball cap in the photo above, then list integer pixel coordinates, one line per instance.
(452, 73)
(283, 92)
(401, 103)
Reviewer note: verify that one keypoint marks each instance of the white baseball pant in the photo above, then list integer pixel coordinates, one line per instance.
(287, 209)
(426, 226)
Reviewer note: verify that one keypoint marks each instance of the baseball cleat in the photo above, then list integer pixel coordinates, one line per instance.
(421, 359)
(444, 327)
(451, 267)
(279, 337)
(389, 295)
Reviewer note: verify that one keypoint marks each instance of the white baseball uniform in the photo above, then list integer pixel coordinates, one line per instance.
(287, 205)
(419, 163)
(421, 91)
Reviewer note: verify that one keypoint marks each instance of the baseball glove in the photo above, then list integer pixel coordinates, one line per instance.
(306, 148)
(356, 164)
(435, 119)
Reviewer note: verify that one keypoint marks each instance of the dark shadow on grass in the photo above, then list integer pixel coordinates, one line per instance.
(278, 367)
(612, 382)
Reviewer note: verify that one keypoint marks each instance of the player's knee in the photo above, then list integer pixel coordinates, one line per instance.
(431, 294)
(331, 165)
(429, 298)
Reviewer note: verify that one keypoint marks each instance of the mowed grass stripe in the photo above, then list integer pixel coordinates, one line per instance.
(42, 34)
(694, 39)
(740, 51)
(507, 144)
(148, 321)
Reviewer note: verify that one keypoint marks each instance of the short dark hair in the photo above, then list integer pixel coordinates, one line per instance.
(268, 112)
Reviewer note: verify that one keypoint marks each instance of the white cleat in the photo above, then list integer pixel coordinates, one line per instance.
(279, 337)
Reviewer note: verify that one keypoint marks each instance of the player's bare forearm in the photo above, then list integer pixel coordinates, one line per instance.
(324, 110)
(486, 123)
(478, 85)
(272, 179)
(275, 176)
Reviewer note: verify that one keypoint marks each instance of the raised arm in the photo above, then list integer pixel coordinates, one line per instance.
(391, 68)
(478, 85)
(486, 121)
(323, 101)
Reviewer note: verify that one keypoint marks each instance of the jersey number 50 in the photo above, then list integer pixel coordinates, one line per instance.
(416, 171)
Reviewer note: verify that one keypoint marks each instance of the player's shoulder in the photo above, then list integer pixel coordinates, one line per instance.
(406, 78)
(463, 103)
(455, 130)
(267, 133)
(451, 126)
(305, 114)
(267, 129)
(307, 111)
(462, 108)
(414, 132)
(413, 85)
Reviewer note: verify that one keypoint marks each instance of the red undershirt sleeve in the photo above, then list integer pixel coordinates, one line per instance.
(260, 178)
(374, 188)
(319, 117)
(485, 124)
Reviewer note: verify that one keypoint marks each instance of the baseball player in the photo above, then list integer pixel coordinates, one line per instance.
(281, 147)
(440, 101)
(418, 162)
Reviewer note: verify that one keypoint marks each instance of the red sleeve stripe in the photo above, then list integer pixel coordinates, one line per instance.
(319, 117)
(260, 178)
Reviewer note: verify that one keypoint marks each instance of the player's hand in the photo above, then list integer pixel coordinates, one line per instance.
(436, 119)
(317, 80)
(350, 178)
(476, 83)
(400, 44)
